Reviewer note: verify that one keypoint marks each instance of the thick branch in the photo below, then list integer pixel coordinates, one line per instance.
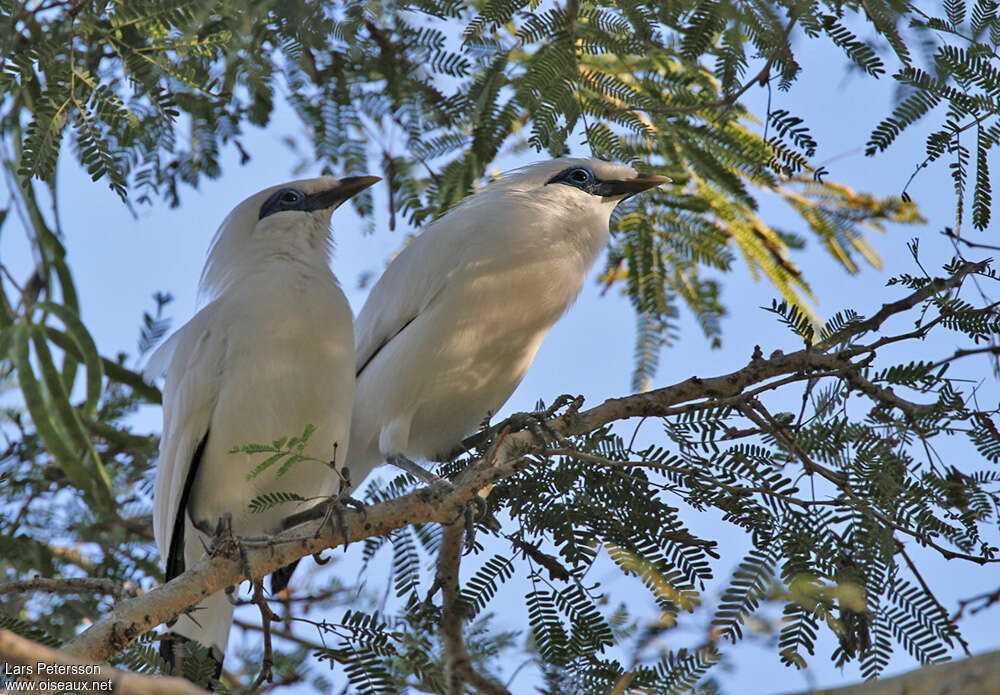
(979, 675)
(456, 656)
(133, 617)
(657, 402)
(85, 675)
(224, 567)
(458, 670)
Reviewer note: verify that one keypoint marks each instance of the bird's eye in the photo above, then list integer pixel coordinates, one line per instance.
(290, 197)
(576, 177)
(283, 200)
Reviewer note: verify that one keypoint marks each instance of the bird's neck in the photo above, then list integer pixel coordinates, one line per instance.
(580, 231)
(274, 268)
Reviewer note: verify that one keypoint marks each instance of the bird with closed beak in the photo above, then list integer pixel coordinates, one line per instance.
(452, 326)
(272, 352)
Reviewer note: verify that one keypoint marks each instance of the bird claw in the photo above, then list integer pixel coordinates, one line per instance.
(469, 512)
(570, 402)
(231, 595)
(245, 561)
(472, 512)
(537, 422)
(481, 506)
(335, 513)
(356, 505)
(534, 423)
(225, 542)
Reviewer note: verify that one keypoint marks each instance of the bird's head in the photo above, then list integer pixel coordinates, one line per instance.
(568, 199)
(588, 187)
(600, 183)
(301, 202)
(290, 219)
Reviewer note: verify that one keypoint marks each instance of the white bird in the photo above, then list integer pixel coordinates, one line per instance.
(270, 354)
(452, 326)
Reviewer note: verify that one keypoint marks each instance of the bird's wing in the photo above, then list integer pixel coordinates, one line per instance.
(194, 359)
(407, 287)
(158, 362)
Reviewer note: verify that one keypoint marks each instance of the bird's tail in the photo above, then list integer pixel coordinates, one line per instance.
(281, 576)
(208, 624)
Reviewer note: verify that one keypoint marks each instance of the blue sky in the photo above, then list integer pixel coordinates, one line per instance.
(120, 261)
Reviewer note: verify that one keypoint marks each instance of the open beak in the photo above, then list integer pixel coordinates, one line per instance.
(629, 187)
(345, 189)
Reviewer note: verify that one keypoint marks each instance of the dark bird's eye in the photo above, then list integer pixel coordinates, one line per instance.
(284, 199)
(290, 196)
(577, 177)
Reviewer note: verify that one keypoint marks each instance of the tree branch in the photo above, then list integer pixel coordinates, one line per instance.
(979, 675)
(223, 567)
(458, 670)
(725, 102)
(932, 288)
(65, 585)
(971, 244)
(984, 601)
(456, 656)
(84, 674)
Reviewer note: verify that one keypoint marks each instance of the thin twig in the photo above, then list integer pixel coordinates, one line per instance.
(971, 244)
(927, 589)
(622, 684)
(986, 600)
(991, 350)
(281, 634)
(935, 286)
(730, 99)
(266, 673)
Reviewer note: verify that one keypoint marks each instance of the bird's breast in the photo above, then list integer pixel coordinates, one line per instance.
(289, 364)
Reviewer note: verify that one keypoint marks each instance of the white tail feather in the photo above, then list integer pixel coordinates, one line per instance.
(209, 623)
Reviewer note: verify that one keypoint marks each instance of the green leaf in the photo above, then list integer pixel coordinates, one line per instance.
(55, 441)
(86, 349)
(98, 483)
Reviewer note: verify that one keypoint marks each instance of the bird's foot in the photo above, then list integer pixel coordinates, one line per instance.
(224, 542)
(472, 512)
(335, 508)
(537, 422)
(232, 596)
(567, 400)
(267, 616)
